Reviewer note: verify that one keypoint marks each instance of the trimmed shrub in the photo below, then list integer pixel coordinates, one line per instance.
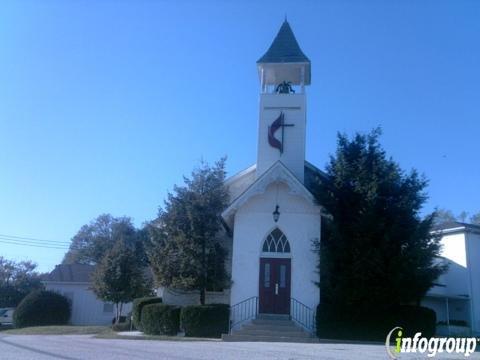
(205, 320)
(415, 319)
(42, 308)
(333, 323)
(137, 307)
(160, 319)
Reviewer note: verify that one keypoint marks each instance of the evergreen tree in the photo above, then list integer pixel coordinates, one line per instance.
(377, 252)
(120, 278)
(185, 251)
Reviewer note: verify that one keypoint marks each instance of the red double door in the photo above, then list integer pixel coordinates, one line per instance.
(274, 286)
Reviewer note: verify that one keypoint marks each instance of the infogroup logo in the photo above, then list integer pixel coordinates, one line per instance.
(429, 346)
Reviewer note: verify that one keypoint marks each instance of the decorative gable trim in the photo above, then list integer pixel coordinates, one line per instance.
(278, 172)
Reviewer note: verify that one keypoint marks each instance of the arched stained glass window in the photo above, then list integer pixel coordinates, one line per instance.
(276, 242)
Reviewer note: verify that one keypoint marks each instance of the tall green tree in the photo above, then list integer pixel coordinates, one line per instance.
(120, 278)
(185, 251)
(443, 216)
(377, 251)
(17, 279)
(475, 219)
(93, 240)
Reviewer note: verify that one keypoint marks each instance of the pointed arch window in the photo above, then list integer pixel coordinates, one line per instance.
(276, 242)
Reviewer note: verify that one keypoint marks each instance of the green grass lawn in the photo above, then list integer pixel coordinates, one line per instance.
(59, 330)
(101, 332)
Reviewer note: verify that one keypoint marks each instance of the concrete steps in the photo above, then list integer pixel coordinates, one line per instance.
(271, 328)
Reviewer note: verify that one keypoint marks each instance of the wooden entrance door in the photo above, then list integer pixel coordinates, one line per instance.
(274, 283)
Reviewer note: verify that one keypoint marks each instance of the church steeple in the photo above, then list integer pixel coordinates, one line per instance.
(284, 48)
(284, 71)
(284, 61)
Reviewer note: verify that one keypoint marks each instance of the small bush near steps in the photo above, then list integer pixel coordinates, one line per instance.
(160, 319)
(205, 320)
(137, 307)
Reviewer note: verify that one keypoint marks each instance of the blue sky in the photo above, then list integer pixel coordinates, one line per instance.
(104, 105)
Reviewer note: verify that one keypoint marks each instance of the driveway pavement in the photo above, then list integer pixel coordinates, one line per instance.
(76, 347)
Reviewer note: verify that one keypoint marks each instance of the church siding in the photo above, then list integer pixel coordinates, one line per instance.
(300, 222)
(293, 156)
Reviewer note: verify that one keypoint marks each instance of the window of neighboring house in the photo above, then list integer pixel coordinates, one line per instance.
(107, 307)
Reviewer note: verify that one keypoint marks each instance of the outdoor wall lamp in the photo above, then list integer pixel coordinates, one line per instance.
(276, 214)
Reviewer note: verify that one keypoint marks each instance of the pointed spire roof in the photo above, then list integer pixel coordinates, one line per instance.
(284, 48)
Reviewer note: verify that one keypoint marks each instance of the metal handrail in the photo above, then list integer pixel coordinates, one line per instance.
(243, 311)
(302, 315)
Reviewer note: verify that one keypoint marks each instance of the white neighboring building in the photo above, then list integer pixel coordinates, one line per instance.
(73, 281)
(456, 294)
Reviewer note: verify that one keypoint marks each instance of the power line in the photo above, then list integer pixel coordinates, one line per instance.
(12, 242)
(38, 242)
(33, 242)
(33, 239)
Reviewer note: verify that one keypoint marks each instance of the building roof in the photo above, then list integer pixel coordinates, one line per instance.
(284, 48)
(247, 177)
(277, 172)
(456, 226)
(312, 176)
(80, 273)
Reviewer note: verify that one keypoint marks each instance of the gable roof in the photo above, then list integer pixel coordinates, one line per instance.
(80, 273)
(284, 48)
(312, 175)
(277, 172)
(247, 177)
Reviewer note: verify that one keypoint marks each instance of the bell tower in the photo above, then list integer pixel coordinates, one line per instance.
(284, 72)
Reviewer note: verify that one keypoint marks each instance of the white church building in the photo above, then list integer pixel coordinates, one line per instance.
(273, 218)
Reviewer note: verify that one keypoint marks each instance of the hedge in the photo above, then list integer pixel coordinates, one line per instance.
(42, 308)
(415, 319)
(160, 319)
(205, 320)
(340, 324)
(137, 307)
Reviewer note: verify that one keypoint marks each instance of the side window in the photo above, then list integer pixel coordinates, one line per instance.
(266, 276)
(107, 307)
(283, 273)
